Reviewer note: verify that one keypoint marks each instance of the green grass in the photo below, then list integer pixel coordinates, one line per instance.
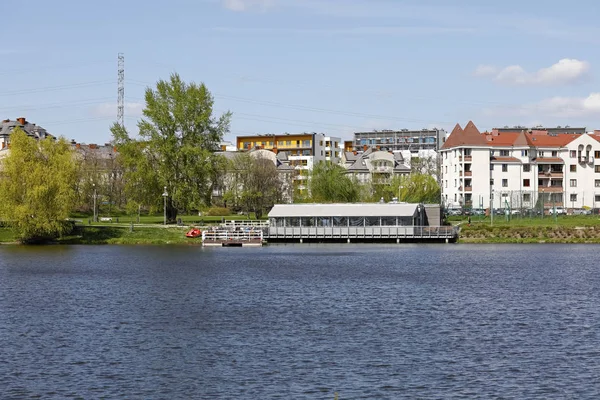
(123, 235)
(546, 221)
(159, 219)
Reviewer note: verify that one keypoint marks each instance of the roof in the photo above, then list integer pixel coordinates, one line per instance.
(507, 160)
(549, 160)
(470, 136)
(344, 210)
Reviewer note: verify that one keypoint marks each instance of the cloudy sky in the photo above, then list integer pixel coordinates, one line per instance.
(333, 66)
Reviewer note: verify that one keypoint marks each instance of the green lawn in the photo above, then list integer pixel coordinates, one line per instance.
(123, 235)
(516, 221)
(159, 219)
(7, 235)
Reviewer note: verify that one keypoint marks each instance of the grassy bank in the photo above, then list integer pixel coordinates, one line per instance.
(159, 219)
(116, 235)
(480, 233)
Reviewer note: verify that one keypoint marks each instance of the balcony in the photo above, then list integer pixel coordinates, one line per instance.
(468, 188)
(466, 173)
(383, 170)
(550, 189)
(465, 158)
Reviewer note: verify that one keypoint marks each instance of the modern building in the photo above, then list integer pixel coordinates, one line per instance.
(524, 170)
(351, 222)
(397, 140)
(374, 165)
(32, 130)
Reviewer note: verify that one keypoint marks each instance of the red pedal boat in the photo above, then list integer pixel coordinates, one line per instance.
(194, 233)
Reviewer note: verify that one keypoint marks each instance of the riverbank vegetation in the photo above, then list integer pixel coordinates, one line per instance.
(563, 229)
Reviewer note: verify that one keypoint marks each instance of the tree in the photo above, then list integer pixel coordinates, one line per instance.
(417, 188)
(37, 187)
(178, 138)
(329, 183)
(254, 184)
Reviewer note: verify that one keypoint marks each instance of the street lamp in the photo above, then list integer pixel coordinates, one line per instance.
(165, 194)
(94, 185)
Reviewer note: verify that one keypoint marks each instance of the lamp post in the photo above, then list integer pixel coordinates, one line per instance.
(94, 185)
(165, 194)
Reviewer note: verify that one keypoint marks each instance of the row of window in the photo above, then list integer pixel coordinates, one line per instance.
(524, 153)
(281, 143)
(339, 222)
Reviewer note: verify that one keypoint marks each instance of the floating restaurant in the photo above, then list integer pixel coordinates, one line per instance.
(349, 222)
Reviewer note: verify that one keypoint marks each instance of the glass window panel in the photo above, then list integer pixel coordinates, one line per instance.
(405, 221)
(308, 221)
(340, 221)
(293, 221)
(324, 221)
(371, 221)
(388, 221)
(357, 221)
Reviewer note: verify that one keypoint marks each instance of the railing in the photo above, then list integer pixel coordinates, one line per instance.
(245, 223)
(227, 235)
(363, 232)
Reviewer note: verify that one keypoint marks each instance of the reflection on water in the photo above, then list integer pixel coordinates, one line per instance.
(366, 321)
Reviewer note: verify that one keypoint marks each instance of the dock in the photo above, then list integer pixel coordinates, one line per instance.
(240, 237)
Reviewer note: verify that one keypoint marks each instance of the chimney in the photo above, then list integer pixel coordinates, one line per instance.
(22, 120)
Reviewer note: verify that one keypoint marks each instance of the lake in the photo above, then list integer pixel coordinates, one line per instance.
(300, 322)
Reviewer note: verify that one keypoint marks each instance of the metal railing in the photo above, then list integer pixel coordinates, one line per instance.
(245, 223)
(227, 235)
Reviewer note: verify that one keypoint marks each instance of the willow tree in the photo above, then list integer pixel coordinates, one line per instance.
(178, 136)
(417, 188)
(330, 183)
(37, 187)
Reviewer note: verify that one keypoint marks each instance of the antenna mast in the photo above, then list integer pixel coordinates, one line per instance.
(121, 91)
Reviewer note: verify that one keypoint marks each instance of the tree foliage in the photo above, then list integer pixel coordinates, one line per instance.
(329, 183)
(254, 184)
(37, 187)
(178, 137)
(417, 188)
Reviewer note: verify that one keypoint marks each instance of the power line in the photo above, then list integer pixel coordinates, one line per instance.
(57, 88)
(58, 105)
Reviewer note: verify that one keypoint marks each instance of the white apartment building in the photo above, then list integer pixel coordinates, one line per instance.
(520, 169)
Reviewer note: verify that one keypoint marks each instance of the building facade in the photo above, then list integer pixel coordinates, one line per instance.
(32, 130)
(398, 140)
(520, 170)
(374, 165)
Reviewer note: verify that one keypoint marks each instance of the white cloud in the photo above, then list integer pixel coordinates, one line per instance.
(245, 5)
(485, 70)
(557, 106)
(564, 72)
(110, 110)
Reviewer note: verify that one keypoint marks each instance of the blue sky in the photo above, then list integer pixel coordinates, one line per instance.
(333, 66)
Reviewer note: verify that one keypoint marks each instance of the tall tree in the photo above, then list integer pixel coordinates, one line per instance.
(329, 183)
(37, 187)
(178, 137)
(254, 184)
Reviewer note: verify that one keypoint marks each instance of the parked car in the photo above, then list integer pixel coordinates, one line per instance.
(581, 211)
(454, 211)
(559, 211)
(477, 211)
(498, 211)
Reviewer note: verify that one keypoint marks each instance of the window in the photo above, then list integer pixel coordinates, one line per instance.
(573, 182)
(597, 169)
(597, 154)
(573, 168)
(455, 183)
(541, 154)
(504, 182)
(492, 152)
(573, 154)
(573, 197)
(504, 153)
(467, 152)
(526, 183)
(491, 182)
(504, 167)
(597, 198)
(526, 167)
(526, 197)
(491, 167)
(446, 168)
(288, 143)
(524, 153)
(454, 167)
(555, 153)
(597, 183)
(446, 184)
(455, 197)
(320, 143)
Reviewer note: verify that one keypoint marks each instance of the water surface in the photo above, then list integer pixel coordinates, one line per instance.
(300, 322)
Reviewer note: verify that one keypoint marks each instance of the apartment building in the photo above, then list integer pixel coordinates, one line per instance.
(302, 151)
(375, 165)
(398, 140)
(32, 130)
(521, 169)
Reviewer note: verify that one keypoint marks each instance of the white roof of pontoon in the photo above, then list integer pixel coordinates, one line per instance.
(344, 210)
